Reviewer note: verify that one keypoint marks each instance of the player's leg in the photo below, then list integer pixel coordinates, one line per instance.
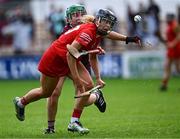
(177, 64)
(93, 99)
(167, 73)
(52, 105)
(48, 84)
(75, 125)
(178, 67)
(97, 96)
(88, 84)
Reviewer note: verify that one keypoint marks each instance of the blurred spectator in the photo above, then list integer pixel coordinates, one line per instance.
(4, 39)
(21, 31)
(131, 25)
(57, 21)
(154, 9)
(141, 26)
(150, 29)
(142, 9)
(2, 24)
(30, 21)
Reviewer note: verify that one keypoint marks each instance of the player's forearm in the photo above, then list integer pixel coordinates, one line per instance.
(116, 36)
(72, 66)
(73, 51)
(95, 66)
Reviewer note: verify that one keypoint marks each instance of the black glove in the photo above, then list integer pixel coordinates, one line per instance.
(135, 39)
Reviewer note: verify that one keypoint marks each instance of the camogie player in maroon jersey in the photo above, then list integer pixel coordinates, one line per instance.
(60, 60)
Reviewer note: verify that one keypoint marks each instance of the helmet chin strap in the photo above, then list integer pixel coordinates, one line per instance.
(102, 33)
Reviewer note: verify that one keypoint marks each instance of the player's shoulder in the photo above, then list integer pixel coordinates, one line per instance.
(88, 27)
(88, 31)
(67, 27)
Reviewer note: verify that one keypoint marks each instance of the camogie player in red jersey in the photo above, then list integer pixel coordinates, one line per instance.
(60, 60)
(74, 13)
(173, 49)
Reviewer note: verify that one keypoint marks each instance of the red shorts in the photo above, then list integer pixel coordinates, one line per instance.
(52, 64)
(174, 53)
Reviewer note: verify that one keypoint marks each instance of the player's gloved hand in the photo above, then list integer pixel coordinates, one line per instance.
(101, 51)
(135, 39)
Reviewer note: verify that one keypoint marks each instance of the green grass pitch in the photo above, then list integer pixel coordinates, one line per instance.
(135, 109)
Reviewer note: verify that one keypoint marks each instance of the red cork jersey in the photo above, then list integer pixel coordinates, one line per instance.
(84, 34)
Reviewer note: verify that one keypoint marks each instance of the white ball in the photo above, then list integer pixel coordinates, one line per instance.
(137, 18)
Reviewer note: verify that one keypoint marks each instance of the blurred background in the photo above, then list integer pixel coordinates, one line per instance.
(27, 28)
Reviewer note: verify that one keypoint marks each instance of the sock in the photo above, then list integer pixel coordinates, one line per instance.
(24, 101)
(73, 119)
(51, 124)
(164, 82)
(76, 115)
(20, 104)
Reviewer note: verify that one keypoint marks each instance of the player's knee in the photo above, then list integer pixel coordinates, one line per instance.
(56, 93)
(41, 93)
(46, 94)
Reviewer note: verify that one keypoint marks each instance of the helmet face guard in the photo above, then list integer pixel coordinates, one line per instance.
(106, 20)
(106, 16)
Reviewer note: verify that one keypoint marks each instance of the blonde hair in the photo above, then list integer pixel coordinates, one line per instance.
(87, 18)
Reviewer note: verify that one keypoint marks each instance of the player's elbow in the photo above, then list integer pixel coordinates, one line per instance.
(72, 51)
(69, 56)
